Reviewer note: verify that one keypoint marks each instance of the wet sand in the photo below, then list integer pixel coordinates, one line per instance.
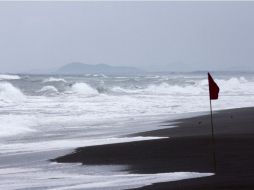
(189, 148)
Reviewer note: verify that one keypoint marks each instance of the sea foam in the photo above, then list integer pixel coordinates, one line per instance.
(9, 77)
(9, 93)
(53, 79)
(11, 125)
(84, 89)
(61, 144)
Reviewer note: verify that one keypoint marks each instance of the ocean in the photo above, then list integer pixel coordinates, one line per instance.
(45, 116)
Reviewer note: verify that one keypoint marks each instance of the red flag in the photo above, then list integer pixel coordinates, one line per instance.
(213, 88)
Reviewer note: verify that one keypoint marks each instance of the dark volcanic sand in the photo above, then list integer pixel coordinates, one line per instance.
(189, 148)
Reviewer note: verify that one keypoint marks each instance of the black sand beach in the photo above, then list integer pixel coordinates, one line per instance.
(189, 148)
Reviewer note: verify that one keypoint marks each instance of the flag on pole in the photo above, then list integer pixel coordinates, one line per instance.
(214, 94)
(213, 88)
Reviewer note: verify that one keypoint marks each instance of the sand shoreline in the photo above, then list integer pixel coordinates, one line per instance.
(189, 148)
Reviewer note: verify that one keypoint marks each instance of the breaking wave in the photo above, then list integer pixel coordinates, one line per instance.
(161, 89)
(231, 86)
(53, 79)
(9, 93)
(84, 89)
(9, 77)
(48, 90)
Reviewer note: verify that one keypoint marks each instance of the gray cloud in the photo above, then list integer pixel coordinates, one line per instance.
(151, 35)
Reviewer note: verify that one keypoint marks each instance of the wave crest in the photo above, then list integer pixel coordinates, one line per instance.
(53, 79)
(231, 86)
(84, 89)
(48, 90)
(9, 93)
(9, 77)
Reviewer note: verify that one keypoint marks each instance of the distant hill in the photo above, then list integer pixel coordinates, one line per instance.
(81, 68)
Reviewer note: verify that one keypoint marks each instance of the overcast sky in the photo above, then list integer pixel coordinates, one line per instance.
(155, 36)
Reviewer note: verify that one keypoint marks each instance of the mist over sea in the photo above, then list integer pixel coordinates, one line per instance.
(44, 116)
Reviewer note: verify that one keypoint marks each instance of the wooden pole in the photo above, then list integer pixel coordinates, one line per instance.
(213, 139)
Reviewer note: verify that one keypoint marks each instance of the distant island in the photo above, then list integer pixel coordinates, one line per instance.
(81, 68)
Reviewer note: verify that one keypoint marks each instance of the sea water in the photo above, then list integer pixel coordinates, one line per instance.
(45, 116)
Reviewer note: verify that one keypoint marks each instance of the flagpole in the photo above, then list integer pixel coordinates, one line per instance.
(213, 139)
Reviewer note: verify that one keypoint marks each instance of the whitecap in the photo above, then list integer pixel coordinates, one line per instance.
(9, 93)
(9, 77)
(48, 90)
(83, 89)
(53, 79)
